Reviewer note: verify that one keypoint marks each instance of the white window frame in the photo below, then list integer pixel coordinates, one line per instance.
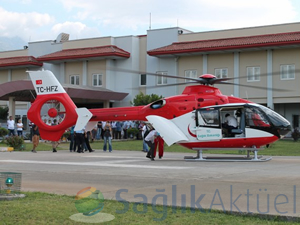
(76, 79)
(253, 73)
(287, 72)
(221, 73)
(99, 77)
(141, 79)
(190, 74)
(161, 80)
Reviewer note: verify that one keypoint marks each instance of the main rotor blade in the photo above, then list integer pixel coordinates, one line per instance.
(250, 86)
(246, 76)
(170, 85)
(197, 80)
(152, 74)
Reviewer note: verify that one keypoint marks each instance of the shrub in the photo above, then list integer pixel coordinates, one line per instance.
(66, 136)
(132, 131)
(3, 132)
(296, 134)
(16, 142)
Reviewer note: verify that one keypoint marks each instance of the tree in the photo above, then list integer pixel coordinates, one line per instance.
(142, 99)
(3, 113)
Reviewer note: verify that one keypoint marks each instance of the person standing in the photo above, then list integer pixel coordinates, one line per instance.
(30, 130)
(55, 143)
(102, 131)
(114, 129)
(118, 130)
(87, 141)
(20, 128)
(72, 142)
(79, 136)
(35, 137)
(126, 126)
(99, 129)
(107, 136)
(150, 138)
(160, 143)
(144, 134)
(11, 126)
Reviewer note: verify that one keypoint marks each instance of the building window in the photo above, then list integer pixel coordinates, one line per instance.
(287, 72)
(253, 74)
(221, 73)
(74, 79)
(143, 80)
(97, 80)
(161, 79)
(190, 74)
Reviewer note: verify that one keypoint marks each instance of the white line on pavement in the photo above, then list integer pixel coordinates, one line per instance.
(97, 164)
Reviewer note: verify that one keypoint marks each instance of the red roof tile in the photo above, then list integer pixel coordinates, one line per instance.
(279, 39)
(19, 61)
(22, 91)
(78, 53)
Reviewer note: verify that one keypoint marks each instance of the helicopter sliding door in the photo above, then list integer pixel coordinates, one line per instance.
(233, 121)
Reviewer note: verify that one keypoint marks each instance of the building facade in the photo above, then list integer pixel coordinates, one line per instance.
(115, 68)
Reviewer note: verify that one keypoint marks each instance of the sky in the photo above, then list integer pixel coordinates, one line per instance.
(36, 20)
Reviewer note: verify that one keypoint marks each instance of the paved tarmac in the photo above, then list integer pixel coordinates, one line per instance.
(271, 187)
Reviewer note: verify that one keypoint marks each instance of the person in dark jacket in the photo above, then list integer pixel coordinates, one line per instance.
(35, 137)
(107, 136)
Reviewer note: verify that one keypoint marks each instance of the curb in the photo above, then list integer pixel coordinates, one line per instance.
(6, 149)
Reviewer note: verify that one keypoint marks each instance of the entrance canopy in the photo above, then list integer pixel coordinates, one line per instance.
(23, 90)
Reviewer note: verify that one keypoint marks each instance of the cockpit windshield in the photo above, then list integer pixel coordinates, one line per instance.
(276, 119)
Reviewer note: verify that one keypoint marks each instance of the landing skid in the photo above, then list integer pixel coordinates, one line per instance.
(247, 158)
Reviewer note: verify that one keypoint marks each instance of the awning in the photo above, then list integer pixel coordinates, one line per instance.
(20, 61)
(23, 90)
(108, 51)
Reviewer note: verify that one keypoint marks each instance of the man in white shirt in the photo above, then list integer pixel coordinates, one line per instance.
(11, 126)
(230, 123)
(149, 139)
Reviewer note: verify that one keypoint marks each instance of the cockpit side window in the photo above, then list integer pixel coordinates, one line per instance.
(256, 118)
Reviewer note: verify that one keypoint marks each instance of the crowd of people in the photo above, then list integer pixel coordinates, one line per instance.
(104, 130)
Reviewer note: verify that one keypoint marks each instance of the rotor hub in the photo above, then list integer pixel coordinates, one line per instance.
(207, 79)
(52, 112)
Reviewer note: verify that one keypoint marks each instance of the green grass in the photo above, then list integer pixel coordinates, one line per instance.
(285, 147)
(42, 208)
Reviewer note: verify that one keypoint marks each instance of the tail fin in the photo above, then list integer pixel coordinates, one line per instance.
(52, 102)
(45, 83)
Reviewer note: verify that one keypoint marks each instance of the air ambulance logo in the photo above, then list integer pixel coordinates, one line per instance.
(38, 82)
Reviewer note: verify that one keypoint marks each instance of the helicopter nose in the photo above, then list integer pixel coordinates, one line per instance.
(284, 130)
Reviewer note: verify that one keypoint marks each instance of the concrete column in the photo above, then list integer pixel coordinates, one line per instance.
(106, 104)
(62, 74)
(176, 73)
(9, 77)
(11, 107)
(270, 103)
(84, 73)
(204, 64)
(236, 71)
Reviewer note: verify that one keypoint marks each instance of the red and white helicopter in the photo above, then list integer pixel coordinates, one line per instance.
(194, 119)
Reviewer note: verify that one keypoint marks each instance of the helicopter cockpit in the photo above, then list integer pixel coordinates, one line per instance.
(234, 120)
